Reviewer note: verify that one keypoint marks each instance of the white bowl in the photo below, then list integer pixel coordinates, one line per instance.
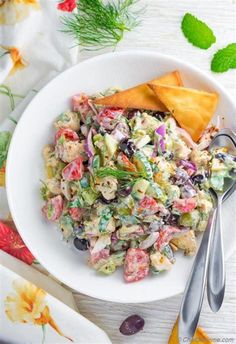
(25, 169)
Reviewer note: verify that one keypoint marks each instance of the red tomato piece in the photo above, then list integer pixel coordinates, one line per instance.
(53, 208)
(185, 205)
(136, 265)
(126, 163)
(108, 117)
(165, 235)
(68, 134)
(80, 103)
(74, 170)
(148, 205)
(101, 255)
(76, 213)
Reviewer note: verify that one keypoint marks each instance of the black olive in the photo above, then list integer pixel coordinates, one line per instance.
(171, 219)
(132, 113)
(125, 191)
(220, 156)
(107, 201)
(197, 179)
(81, 244)
(132, 325)
(159, 115)
(127, 147)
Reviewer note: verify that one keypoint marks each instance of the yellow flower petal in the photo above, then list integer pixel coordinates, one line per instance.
(28, 305)
(13, 11)
(17, 59)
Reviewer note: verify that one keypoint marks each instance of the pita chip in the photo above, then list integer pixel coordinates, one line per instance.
(191, 108)
(141, 96)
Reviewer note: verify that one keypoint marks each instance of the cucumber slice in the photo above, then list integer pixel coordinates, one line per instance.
(143, 165)
(140, 188)
(111, 144)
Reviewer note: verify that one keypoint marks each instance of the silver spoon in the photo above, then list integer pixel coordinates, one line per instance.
(193, 295)
(216, 268)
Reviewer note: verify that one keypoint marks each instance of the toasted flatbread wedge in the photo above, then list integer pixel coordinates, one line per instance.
(141, 97)
(191, 108)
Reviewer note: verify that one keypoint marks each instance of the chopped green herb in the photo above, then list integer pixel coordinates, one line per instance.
(99, 24)
(119, 174)
(197, 32)
(224, 59)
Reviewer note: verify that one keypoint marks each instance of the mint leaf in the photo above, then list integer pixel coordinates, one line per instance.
(224, 59)
(5, 138)
(197, 32)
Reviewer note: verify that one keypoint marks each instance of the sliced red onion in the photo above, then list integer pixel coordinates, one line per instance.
(160, 133)
(189, 166)
(84, 130)
(149, 241)
(121, 132)
(88, 146)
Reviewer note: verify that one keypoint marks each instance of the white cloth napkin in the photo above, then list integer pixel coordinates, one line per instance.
(42, 45)
(32, 30)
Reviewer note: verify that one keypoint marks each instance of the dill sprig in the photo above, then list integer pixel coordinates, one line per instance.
(98, 25)
(119, 174)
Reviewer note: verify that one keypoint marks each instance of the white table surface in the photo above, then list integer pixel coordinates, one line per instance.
(160, 31)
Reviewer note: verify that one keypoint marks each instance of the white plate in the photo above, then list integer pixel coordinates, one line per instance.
(25, 169)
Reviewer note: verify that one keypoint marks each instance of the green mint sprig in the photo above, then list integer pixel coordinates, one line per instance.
(224, 59)
(197, 32)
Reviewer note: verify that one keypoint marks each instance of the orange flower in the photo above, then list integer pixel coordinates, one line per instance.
(13, 11)
(17, 59)
(18, 62)
(28, 305)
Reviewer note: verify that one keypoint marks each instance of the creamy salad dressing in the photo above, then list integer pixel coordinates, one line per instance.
(130, 186)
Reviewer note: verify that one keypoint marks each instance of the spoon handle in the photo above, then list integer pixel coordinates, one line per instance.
(216, 269)
(193, 295)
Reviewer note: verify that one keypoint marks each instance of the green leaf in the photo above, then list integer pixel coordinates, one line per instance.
(119, 174)
(5, 138)
(224, 59)
(197, 32)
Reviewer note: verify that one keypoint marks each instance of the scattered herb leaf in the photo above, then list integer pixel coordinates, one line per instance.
(119, 174)
(224, 59)
(101, 24)
(5, 138)
(197, 32)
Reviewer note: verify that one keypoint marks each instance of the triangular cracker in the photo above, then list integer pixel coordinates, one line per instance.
(191, 108)
(141, 97)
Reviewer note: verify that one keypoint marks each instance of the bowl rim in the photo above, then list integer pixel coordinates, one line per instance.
(206, 78)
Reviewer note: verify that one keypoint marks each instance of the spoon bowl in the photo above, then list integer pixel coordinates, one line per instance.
(216, 269)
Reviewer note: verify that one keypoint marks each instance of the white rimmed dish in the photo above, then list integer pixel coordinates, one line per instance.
(25, 169)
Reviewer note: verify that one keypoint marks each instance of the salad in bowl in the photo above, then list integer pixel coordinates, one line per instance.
(129, 184)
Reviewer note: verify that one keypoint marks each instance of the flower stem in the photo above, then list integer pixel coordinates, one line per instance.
(44, 333)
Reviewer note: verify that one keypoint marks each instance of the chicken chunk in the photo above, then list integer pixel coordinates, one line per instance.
(69, 150)
(68, 120)
(186, 242)
(160, 262)
(108, 187)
